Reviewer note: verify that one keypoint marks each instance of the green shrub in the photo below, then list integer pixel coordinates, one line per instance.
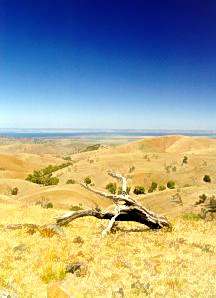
(191, 216)
(51, 181)
(44, 176)
(139, 190)
(87, 180)
(161, 187)
(153, 187)
(171, 184)
(111, 187)
(76, 207)
(91, 147)
(127, 191)
(70, 181)
(207, 179)
(14, 191)
(49, 205)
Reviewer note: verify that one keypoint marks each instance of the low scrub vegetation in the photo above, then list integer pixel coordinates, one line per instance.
(185, 160)
(153, 187)
(111, 187)
(207, 179)
(70, 181)
(87, 180)
(76, 207)
(92, 148)
(44, 176)
(14, 191)
(139, 190)
(127, 191)
(161, 187)
(171, 184)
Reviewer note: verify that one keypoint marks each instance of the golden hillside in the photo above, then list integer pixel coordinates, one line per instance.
(156, 159)
(135, 261)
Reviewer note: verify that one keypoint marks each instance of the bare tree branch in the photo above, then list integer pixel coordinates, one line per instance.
(132, 213)
(126, 209)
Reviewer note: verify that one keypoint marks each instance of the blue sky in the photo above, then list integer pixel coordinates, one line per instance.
(108, 64)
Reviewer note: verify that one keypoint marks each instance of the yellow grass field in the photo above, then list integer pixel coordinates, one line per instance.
(136, 261)
(132, 262)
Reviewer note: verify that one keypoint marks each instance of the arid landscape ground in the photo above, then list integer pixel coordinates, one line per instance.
(133, 262)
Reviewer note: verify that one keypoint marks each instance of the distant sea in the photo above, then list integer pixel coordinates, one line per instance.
(97, 134)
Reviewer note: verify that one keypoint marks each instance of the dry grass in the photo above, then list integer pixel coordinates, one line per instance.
(134, 261)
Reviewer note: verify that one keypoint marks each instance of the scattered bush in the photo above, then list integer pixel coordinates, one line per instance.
(44, 176)
(111, 187)
(153, 187)
(91, 148)
(127, 191)
(70, 181)
(187, 185)
(49, 205)
(171, 184)
(14, 191)
(87, 180)
(207, 179)
(52, 181)
(161, 187)
(76, 207)
(139, 190)
(185, 160)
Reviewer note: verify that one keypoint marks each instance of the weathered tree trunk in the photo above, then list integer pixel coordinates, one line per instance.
(126, 209)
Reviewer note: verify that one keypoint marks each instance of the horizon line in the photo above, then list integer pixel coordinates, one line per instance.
(104, 129)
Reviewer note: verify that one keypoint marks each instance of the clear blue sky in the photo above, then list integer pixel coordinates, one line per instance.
(108, 64)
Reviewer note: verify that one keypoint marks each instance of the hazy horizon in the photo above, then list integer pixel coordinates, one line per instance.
(102, 129)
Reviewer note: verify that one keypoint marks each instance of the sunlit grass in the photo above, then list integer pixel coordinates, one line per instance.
(161, 263)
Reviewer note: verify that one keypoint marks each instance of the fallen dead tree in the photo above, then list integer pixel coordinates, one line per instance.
(126, 209)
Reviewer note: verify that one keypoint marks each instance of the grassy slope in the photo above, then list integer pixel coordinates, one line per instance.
(180, 263)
